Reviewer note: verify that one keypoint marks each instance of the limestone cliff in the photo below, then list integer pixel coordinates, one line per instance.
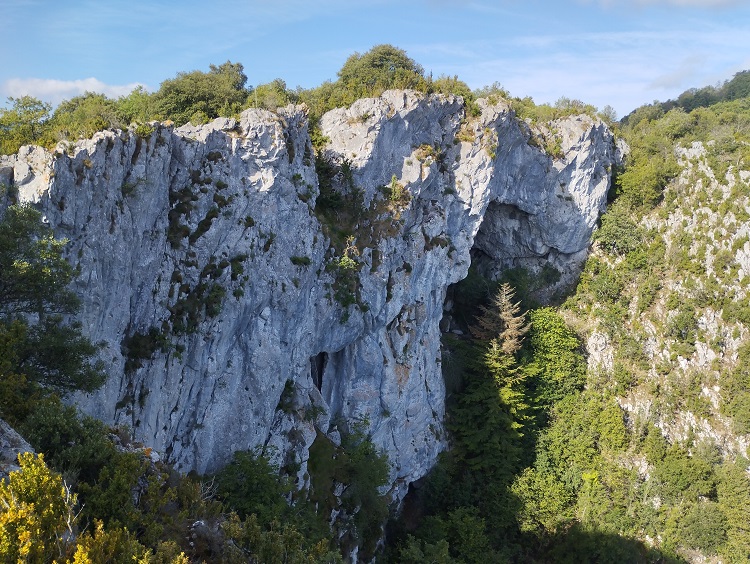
(11, 445)
(231, 316)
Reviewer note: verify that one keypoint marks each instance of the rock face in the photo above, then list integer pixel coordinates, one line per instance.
(236, 315)
(11, 445)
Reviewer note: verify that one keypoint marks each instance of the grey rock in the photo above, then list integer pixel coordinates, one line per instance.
(190, 232)
(11, 445)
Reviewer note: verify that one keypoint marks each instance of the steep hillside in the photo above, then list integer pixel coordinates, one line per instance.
(662, 305)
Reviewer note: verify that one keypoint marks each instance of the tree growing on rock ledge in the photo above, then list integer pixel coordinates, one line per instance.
(381, 68)
(199, 97)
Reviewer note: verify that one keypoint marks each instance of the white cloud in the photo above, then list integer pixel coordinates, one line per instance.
(621, 69)
(689, 69)
(55, 91)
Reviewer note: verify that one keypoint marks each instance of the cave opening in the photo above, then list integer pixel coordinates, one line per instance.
(318, 364)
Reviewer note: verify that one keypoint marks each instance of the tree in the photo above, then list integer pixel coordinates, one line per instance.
(250, 484)
(733, 492)
(492, 92)
(414, 551)
(139, 106)
(556, 364)
(502, 320)
(488, 423)
(198, 96)
(738, 87)
(24, 123)
(33, 273)
(618, 233)
(82, 116)
(365, 75)
(608, 114)
(383, 67)
(452, 85)
(42, 354)
(547, 505)
(272, 95)
(77, 446)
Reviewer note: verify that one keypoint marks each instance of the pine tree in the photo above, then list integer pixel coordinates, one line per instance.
(39, 352)
(502, 320)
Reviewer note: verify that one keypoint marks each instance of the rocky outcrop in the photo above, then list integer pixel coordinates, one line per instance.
(11, 445)
(241, 317)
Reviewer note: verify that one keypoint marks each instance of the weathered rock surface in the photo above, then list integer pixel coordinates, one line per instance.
(11, 445)
(211, 282)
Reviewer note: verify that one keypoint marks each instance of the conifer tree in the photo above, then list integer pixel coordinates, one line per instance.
(502, 320)
(40, 353)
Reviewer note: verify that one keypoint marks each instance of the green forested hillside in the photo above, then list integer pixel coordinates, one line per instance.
(639, 456)
(608, 427)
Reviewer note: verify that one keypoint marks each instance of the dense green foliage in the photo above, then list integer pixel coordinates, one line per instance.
(381, 68)
(23, 123)
(200, 97)
(40, 353)
(82, 116)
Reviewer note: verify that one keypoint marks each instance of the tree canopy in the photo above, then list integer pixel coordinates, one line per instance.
(23, 123)
(199, 96)
(40, 353)
(381, 68)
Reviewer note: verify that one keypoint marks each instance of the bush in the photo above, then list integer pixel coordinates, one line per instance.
(683, 477)
(362, 470)
(704, 527)
(38, 513)
(250, 485)
(75, 446)
(618, 233)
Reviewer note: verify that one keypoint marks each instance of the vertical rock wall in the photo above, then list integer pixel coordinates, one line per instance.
(214, 286)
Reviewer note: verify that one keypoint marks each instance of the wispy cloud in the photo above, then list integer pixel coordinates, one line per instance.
(621, 69)
(55, 91)
(686, 71)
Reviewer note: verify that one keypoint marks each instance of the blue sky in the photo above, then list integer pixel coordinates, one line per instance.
(621, 53)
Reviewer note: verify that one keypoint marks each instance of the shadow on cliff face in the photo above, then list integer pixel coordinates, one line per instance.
(509, 247)
(533, 288)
